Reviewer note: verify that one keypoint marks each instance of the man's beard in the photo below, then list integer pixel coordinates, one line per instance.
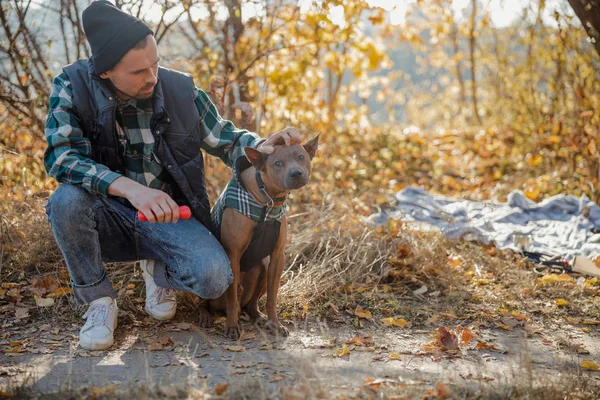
(129, 96)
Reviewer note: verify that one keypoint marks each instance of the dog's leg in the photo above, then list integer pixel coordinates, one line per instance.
(276, 265)
(236, 233)
(255, 286)
(206, 317)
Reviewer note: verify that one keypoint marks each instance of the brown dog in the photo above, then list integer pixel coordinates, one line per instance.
(251, 215)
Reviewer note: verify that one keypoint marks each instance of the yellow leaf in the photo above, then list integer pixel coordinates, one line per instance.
(235, 349)
(565, 278)
(590, 365)
(400, 323)
(397, 322)
(533, 193)
(573, 321)
(344, 351)
(549, 278)
(587, 283)
(518, 316)
(562, 303)
(62, 291)
(454, 261)
(395, 356)
(361, 313)
(505, 327)
(534, 160)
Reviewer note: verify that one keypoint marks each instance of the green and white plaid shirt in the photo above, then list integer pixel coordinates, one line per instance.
(238, 198)
(68, 155)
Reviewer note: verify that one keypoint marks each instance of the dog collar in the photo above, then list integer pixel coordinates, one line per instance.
(261, 186)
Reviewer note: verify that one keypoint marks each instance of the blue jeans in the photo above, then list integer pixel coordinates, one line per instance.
(91, 230)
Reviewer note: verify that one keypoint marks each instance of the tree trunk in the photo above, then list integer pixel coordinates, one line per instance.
(472, 57)
(588, 12)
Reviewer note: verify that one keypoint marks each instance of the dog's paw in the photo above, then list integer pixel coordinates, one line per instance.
(206, 319)
(276, 328)
(256, 315)
(233, 332)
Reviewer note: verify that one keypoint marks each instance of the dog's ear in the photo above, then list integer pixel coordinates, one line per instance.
(311, 147)
(256, 158)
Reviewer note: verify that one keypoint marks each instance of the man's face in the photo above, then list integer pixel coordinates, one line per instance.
(136, 73)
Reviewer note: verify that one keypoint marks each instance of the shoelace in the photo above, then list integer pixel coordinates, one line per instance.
(96, 315)
(163, 294)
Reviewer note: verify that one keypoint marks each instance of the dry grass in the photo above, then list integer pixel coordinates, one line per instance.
(333, 257)
(335, 263)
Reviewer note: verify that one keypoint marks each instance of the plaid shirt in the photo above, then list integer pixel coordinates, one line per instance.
(68, 155)
(238, 198)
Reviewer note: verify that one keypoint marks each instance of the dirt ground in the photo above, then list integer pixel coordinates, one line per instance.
(179, 359)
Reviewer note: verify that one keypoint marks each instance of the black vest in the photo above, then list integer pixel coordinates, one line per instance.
(175, 125)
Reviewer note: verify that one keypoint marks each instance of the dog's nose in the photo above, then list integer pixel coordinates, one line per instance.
(296, 174)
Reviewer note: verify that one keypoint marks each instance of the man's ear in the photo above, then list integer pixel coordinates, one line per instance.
(311, 147)
(256, 158)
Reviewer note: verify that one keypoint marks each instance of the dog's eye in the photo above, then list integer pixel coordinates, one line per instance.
(300, 156)
(278, 164)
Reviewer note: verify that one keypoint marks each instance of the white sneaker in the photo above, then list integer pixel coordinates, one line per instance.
(160, 302)
(101, 321)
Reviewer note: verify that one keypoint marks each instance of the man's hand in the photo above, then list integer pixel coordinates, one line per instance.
(156, 205)
(288, 136)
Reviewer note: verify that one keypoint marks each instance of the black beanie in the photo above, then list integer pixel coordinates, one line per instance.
(111, 33)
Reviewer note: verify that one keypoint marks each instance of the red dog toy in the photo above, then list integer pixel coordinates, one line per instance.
(184, 213)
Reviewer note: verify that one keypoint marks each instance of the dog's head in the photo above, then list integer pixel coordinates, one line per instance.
(288, 166)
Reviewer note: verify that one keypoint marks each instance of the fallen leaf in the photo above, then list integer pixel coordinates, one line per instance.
(395, 356)
(443, 391)
(41, 302)
(397, 322)
(159, 344)
(235, 349)
(504, 326)
(62, 291)
(21, 312)
(358, 341)
(221, 388)
(361, 313)
(466, 336)
(518, 316)
(573, 321)
(422, 290)
(403, 252)
(590, 365)
(447, 339)
(184, 326)
(344, 351)
(562, 303)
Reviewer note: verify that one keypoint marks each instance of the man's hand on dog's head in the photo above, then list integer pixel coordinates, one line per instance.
(288, 136)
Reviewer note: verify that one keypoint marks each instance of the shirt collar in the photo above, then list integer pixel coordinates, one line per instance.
(140, 105)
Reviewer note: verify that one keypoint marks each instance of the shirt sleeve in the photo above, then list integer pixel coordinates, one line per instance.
(220, 137)
(68, 155)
